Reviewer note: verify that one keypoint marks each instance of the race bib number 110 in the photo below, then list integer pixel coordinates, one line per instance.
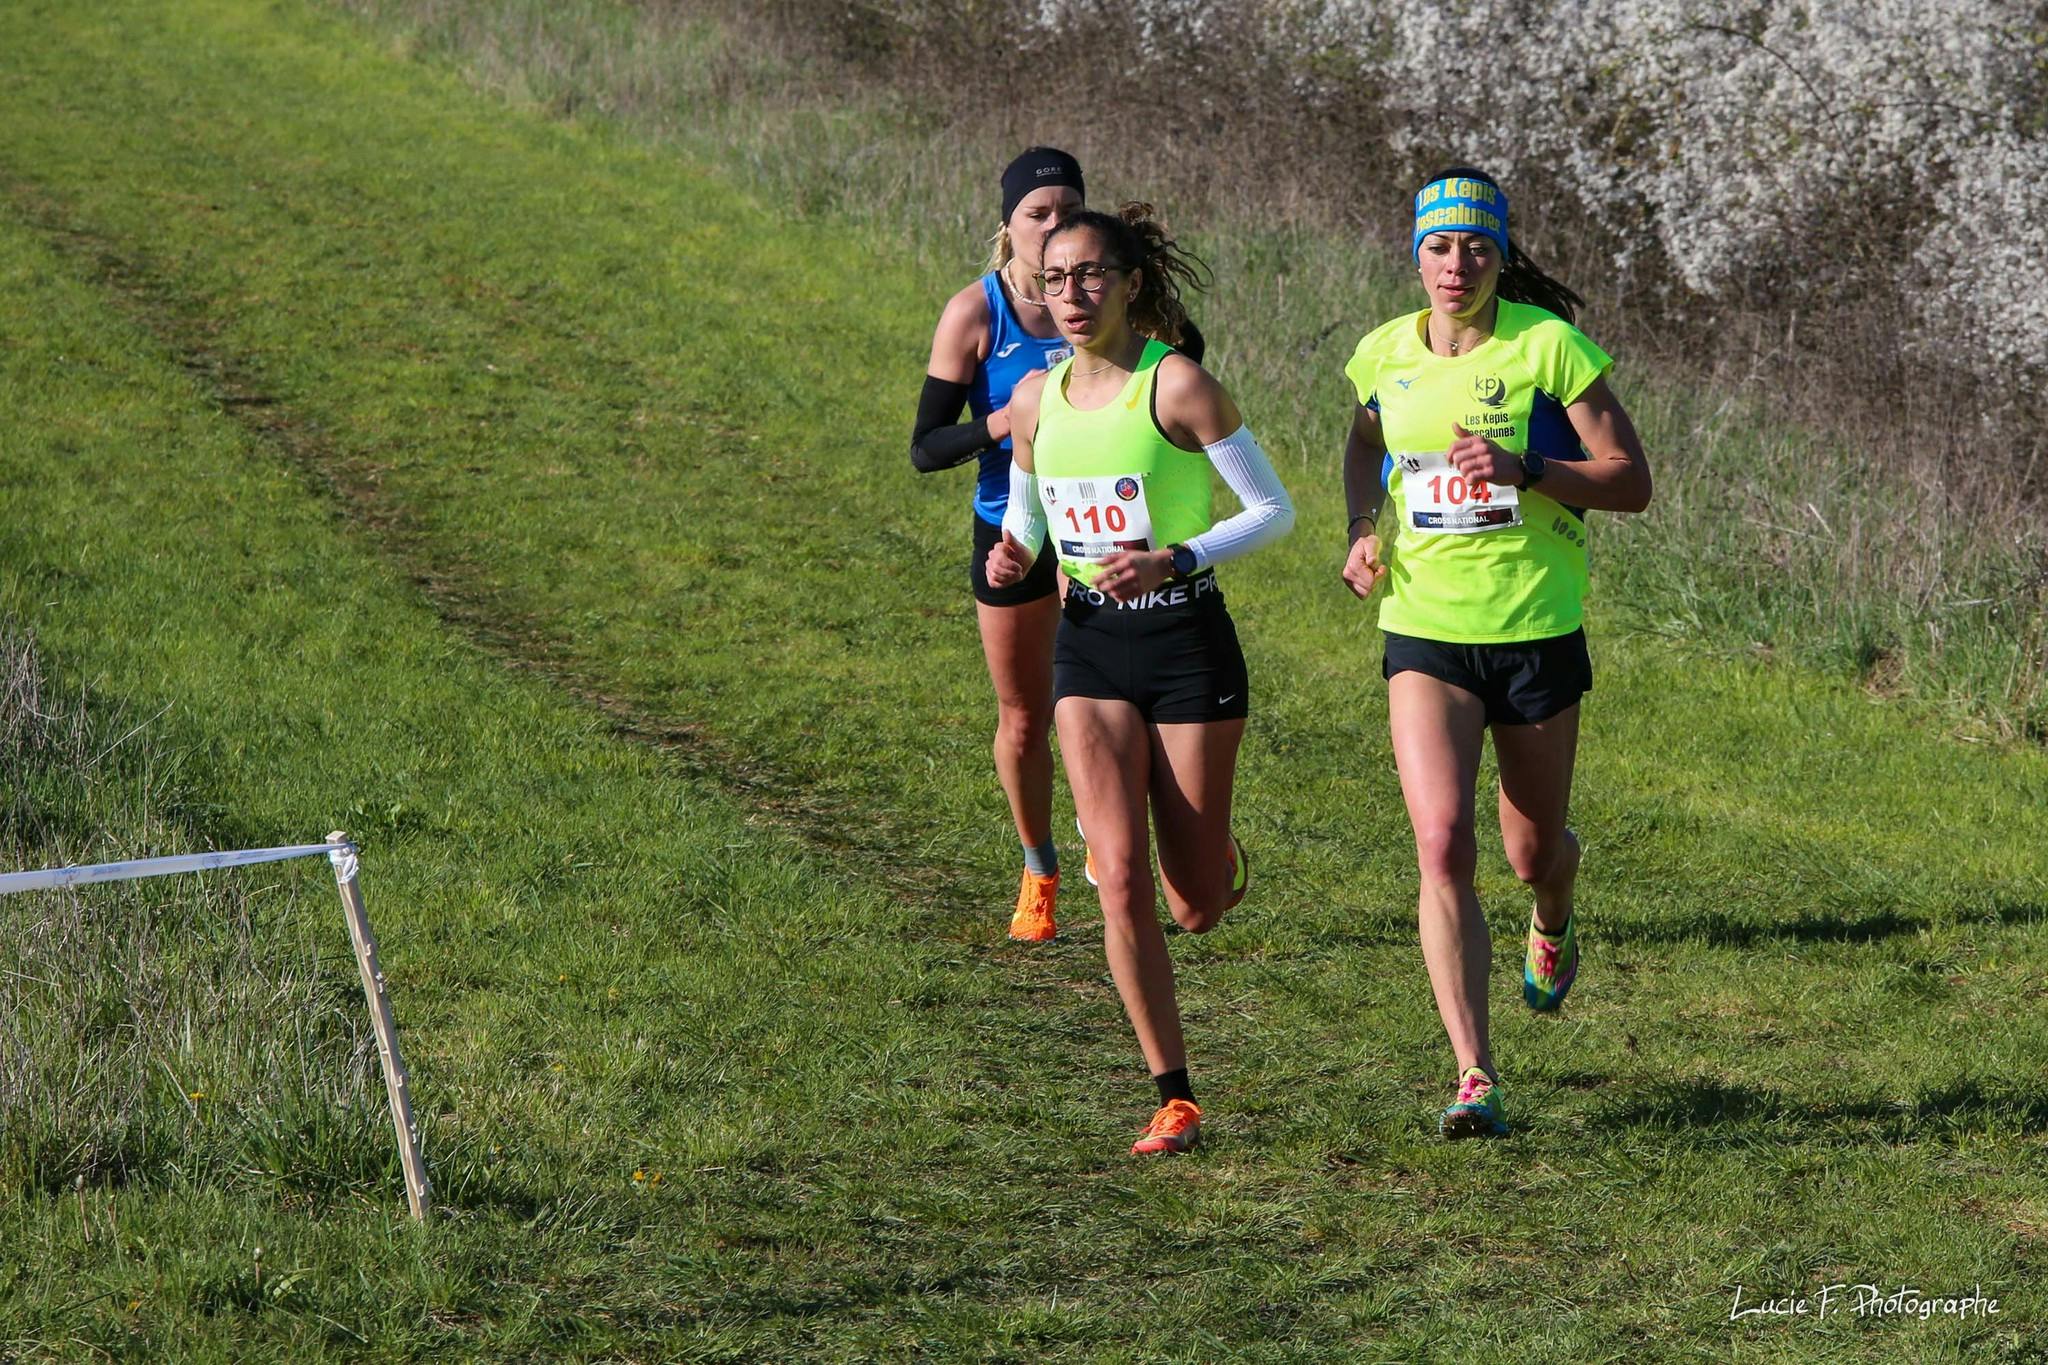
(1093, 518)
(1441, 501)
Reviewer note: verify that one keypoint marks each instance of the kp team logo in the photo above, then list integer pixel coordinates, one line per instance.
(1489, 390)
(1127, 488)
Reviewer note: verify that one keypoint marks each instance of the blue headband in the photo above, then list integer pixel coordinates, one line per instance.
(1461, 204)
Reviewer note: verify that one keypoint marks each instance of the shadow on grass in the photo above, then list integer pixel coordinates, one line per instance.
(1729, 931)
(1953, 1110)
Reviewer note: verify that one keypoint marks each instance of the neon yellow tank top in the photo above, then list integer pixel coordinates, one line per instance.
(1109, 478)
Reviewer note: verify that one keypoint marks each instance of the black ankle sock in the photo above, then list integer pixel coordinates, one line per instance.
(1173, 1085)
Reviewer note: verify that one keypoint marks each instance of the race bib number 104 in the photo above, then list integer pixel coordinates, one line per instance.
(1441, 501)
(1093, 518)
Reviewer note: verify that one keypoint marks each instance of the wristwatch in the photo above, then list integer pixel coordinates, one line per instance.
(1532, 468)
(1183, 560)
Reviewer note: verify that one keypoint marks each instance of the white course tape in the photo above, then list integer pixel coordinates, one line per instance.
(50, 878)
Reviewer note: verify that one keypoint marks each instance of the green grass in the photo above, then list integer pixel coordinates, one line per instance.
(530, 498)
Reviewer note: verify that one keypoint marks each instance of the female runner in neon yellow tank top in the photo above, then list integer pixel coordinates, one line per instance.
(1113, 447)
(1485, 432)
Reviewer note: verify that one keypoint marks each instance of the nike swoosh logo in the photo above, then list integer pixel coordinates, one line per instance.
(1004, 354)
(1225, 701)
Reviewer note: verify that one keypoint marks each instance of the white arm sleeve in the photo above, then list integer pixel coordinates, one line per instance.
(1024, 518)
(1268, 512)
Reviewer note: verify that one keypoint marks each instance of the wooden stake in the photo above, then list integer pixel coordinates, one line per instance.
(416, 1188)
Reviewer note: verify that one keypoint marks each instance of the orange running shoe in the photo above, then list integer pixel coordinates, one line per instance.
(1035, 900)
(1088, 865)
(1173, 1129)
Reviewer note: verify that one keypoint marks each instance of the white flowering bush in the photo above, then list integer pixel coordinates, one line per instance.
(1779, 155)
(1982, 269)
(1786, 153)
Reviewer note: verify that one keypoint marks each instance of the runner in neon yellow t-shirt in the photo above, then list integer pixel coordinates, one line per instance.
(1484, 434)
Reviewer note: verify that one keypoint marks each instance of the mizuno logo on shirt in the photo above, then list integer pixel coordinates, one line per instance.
(1004, 354)
(1404, 383)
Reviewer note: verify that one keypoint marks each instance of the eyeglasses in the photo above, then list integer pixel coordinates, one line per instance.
(1091, 277)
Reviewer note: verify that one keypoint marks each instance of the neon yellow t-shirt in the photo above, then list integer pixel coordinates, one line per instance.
(1511, 582)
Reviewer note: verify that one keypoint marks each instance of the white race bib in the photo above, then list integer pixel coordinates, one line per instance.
(1093, 518)
(1441, 501)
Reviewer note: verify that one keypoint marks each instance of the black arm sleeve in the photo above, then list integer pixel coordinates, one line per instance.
(937, 441)
(1192, 344)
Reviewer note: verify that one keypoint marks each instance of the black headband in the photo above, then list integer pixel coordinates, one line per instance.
(1034, 169)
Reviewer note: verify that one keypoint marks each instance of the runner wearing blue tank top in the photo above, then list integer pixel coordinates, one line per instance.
(991, 335)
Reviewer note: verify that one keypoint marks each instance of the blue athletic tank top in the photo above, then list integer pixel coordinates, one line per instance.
(1012, 354)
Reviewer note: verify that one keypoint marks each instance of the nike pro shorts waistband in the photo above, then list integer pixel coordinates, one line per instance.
(1173, 654)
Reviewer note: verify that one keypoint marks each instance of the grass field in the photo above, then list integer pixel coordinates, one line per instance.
(530, 498)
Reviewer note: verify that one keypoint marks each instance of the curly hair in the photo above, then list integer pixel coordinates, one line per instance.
(1138, 241)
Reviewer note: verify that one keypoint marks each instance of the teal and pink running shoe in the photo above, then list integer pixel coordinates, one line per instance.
(1550, 967)
(1477, 1112)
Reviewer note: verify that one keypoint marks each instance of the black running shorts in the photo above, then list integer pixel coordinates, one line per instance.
(1037, 581)
(1174, 654)
(1522, 683)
